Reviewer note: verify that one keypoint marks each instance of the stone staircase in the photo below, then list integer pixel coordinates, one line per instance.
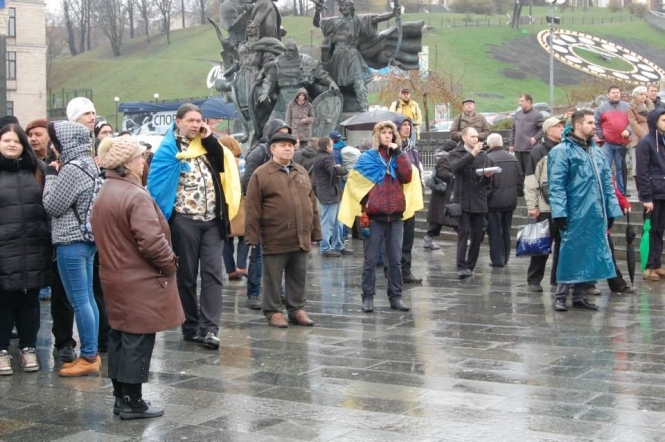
(448, 236)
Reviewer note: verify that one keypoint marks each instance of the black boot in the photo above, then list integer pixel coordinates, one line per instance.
(137, 408)
(368, 304)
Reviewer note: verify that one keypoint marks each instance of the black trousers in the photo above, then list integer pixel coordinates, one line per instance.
(21, 309)
(617, 283)
(104, 329)
(536, 271)
(470, 229)
(198, 242)
(407, 244)
(522, 158)
(129, 356)
(656, 235)
(61, 312)
(498, 231)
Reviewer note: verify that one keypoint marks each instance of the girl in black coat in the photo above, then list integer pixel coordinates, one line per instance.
(25, 246)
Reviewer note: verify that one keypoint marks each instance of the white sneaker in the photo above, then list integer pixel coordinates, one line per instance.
(5, 363)
(29, 360)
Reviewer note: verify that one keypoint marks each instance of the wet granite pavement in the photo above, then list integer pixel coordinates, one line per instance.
(475, 360)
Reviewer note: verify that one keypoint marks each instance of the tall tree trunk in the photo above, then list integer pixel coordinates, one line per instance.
(182, 12)
(71, 36)
(130, 16)
(202, 5)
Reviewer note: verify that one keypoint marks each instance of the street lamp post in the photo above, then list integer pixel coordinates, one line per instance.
(553, 21)
(156, 96)
(117, 102)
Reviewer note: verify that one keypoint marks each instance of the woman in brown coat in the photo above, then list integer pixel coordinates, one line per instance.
(137, 272)
(637, 117)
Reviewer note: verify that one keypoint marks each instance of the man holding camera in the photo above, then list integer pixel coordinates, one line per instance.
(470, 192)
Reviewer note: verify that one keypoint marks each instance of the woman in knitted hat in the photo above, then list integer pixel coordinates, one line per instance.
(136, 258)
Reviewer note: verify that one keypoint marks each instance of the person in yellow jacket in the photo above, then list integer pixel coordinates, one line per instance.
(410, 109)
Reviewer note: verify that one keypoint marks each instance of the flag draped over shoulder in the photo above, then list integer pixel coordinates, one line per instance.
(230, 178)
(370, 170)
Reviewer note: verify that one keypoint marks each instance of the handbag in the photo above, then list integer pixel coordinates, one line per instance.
(436, 184)
(453, 209)
(545, 192)
(534, 239)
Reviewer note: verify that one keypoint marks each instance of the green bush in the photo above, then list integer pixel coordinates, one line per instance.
(614, 5)
(483, 7)
(503, 124)
(638, 9)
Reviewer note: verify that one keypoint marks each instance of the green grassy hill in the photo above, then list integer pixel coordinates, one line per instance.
(178, 70)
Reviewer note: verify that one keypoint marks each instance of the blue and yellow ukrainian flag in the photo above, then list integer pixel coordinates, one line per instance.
(370, 170)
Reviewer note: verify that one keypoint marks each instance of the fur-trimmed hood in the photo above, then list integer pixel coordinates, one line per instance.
(377, 131)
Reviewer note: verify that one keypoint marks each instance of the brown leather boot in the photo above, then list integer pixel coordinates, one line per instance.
(71, 364)
(81, 367)
(277, 320)
(650, 275)
(300, 317)
(660, 272)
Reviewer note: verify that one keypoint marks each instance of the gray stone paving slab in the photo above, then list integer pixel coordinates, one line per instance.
(475, 360)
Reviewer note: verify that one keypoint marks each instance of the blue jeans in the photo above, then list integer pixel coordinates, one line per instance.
(75, 263)
(392, 233)
(331, 228)
(254, 274)
(613, 154)
(230, 263)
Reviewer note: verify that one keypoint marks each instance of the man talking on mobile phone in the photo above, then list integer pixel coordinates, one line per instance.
(194, 181)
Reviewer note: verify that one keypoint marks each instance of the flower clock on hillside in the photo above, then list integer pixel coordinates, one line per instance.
(600, 57)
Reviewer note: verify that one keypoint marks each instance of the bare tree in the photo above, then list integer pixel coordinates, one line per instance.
(71, 35)
(129, 7)
(82, 12)
(146, 11)
(165, 7)
(201, 6)
(111, 21)
(182, 12)
(55, 44)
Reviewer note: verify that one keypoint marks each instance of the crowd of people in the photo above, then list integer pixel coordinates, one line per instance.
(128, 243)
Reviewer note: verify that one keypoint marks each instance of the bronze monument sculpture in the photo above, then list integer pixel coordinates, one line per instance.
(262, 75)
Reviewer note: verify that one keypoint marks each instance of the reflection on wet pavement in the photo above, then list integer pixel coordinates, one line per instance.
(475, 360)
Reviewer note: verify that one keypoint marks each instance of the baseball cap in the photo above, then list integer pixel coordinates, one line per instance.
(335, 136)
(406, 90)
(468, 100)
(551, 122)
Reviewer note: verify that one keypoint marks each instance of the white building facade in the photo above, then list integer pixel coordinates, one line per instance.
(26, 59)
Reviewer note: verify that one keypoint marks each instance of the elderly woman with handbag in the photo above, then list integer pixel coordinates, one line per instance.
(137, 272)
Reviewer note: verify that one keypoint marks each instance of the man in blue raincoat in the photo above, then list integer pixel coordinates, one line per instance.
(583, 207)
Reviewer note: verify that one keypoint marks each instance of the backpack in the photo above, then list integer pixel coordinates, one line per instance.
(98, 177)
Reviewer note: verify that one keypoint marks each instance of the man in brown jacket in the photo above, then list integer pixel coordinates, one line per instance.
(469, 118)
(281, 213)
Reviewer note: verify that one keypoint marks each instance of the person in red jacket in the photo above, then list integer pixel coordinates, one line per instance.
(384, 206)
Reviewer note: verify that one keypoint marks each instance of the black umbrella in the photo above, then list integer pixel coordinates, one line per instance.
(253, 275)
(630, 249)
(367, 120)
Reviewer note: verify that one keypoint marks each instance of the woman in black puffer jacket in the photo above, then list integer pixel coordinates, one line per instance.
(25, 246)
